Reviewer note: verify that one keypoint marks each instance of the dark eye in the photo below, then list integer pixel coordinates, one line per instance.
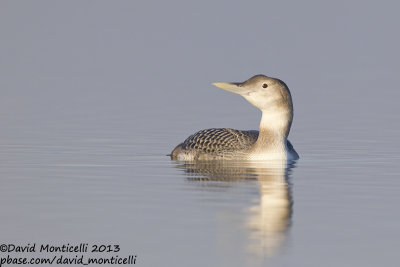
(265, 85)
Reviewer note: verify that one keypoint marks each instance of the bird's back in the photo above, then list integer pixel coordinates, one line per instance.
(215, 143)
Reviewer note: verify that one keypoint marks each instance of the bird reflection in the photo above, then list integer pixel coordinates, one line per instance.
(267, 221)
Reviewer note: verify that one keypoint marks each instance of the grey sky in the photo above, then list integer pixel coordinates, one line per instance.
(152, 54)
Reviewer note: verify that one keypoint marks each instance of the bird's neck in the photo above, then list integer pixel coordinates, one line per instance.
(274, 130)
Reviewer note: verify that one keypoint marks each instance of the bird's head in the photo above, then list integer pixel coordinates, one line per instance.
(266, 93)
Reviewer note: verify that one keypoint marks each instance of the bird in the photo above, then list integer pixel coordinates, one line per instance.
(273, 98)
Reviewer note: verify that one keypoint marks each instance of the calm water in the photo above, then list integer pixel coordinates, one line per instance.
(98, 182)
(93, 97)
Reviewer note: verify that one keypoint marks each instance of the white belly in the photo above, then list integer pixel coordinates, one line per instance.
(268, 155)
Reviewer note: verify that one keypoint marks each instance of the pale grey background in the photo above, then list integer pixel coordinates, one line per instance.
(93, 94)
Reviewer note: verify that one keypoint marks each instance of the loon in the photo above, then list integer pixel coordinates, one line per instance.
(273, 98)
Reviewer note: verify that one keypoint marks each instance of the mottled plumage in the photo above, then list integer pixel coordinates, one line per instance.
(219, 142)
(215, 141)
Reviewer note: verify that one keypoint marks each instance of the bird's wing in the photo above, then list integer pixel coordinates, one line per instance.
(217, 139)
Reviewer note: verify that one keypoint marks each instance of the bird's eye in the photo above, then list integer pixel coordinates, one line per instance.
(265, 85)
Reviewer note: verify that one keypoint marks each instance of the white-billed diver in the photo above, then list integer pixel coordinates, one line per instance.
(273, 98)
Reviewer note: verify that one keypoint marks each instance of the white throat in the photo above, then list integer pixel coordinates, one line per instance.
(277, 123)
(271, 142)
